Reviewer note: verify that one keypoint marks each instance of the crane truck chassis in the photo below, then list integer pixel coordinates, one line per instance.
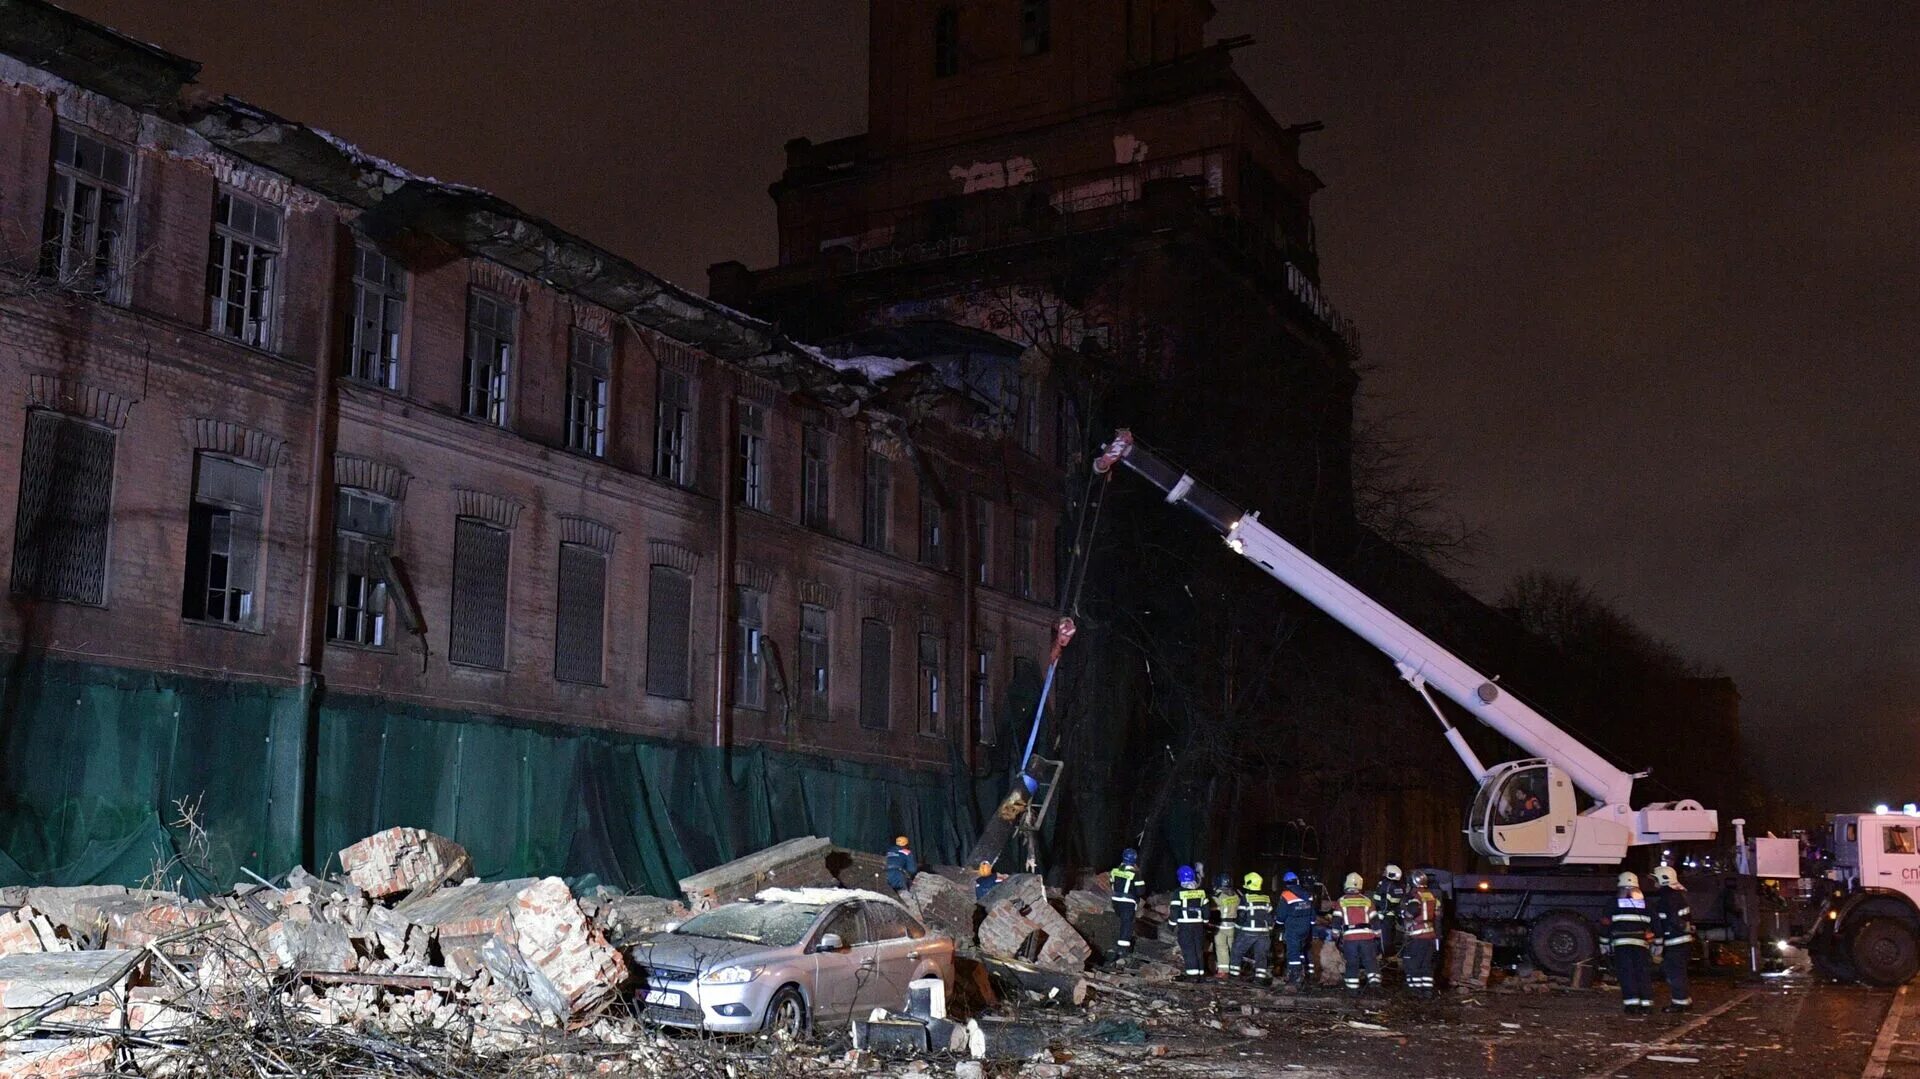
(1857, 912)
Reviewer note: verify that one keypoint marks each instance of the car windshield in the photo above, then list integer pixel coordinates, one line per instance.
(776, 925)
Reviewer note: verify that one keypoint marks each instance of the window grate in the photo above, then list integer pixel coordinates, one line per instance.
(478, 623)
(65, 508)
(669, 628)
(579, 647)
(876, 674)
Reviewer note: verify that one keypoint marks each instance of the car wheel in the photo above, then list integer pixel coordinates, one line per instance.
(787, 1014)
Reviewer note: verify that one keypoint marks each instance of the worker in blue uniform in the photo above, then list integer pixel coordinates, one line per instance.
(901, 865)
(1189, 914)
(1294, 905)
(1673, 935)
(1127, 891)
(1388, 895)
(1629, 930)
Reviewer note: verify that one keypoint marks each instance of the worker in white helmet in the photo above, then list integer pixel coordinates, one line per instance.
(1629, 931)
(1672, 934)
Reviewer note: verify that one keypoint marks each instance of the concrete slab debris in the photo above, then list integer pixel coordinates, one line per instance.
(85, 1056)
(796, 863)
(1018, 908)
(34, 979)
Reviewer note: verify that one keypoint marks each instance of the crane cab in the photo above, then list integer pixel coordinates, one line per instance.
(1525, 810)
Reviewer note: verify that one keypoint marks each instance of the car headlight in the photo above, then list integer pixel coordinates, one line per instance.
(729, 975)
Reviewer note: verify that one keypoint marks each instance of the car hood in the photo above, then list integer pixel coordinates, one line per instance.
(679, 951)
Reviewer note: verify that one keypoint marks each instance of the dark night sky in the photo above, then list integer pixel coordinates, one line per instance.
(1644, 280)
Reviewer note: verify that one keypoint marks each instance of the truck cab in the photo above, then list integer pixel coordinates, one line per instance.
(1868, 927)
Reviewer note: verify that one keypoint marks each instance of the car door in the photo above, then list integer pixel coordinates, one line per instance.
(1897, 864)
(837, 974)
(896, 954)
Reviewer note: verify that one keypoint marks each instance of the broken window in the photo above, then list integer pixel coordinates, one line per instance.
(879, 493)
(814, 662)
(673, 427)
(933, 672)
(60, 524)
(933, 533)
(87, 198)
(876, 674)
(589, 369)
(379, 308)
(1036, 27)
(982, 688)
(750, 470)
(363, 541)
(243, 268)
(223, 542)
(749, 647)
(477, 626)
(580, 616)
(946, 42)
(982, 540)
(489, 357)
(816, 511)
(1023, 553)
(669, 629)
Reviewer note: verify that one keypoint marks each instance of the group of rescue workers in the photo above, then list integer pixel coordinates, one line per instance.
(1398, 918)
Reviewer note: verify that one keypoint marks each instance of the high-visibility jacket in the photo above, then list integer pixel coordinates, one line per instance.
(1226, 905)
(1672, 917)
(1126, 884)
(1420, 915)
(1296, 910)
(1358, 918)
(1189, 906)
(1630, 924)
(1256, 911)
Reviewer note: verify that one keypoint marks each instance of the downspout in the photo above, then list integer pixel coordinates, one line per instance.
(968, 616)
(322, 440)
(723, 577)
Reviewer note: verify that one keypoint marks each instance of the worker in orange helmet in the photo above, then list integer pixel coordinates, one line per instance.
(901, 865)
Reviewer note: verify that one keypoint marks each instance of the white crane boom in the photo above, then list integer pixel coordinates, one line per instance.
(1499, 826)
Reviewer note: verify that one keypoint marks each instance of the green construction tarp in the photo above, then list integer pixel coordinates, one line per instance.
(97, 759)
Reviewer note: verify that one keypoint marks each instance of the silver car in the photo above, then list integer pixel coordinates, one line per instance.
(787, 959)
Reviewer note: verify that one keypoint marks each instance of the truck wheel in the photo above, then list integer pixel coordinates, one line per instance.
(1560, 941)
(1885, 952)
(1830, 959)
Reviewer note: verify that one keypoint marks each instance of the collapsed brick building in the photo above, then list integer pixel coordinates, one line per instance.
(345, 497)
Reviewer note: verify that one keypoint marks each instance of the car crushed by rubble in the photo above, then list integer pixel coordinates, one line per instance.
(786, 959)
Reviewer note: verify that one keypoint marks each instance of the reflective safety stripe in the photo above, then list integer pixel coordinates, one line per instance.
(1124, 899)
(1629, 942)
(1687, 939)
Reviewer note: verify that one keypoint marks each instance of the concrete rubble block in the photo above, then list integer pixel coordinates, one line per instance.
(564, 948)
(796, 863)
(60, 905)
(27, 930)
(1026, 894)
(31, 979)
(80, 1057)
(391, 936)
(464, 918)
(402, 860)
(627, 918)
(1082, 902)
(133, 921)
(311, 945)
(1004, 931)
(943, 906)
(527, 932)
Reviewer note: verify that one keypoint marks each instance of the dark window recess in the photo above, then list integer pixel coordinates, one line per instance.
(379, 309)
(87, 197)
(579, 630)
(1026, 413)
(673, 428)
(982, 541)
(589, 371)
(60, 524)
(933, 534)
(363, 541)
(669, 628)
(749, 647)
(1036, 27)
(243, 267)
(814, 661)
(983, 723)
(876, 674)
(946, 42)
(933, 685)
(750, 471)
(1023, 555)
(489, 358)
(223, 542)
(478, 623)
(816, 509)
(879, 495)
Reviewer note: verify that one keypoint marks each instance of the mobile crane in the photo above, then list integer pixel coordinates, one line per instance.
(1527, 813)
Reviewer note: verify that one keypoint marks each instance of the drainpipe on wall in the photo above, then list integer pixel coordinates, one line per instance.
(723, 573)
(322, 439)
(963, 513)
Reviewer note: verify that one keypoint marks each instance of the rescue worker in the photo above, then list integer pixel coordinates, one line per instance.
(1358, 922)
(985, 882)
(1628, 931)
(1253, 931)
(1189, 914)
(901, 865)
(1673, 935)
(1226, 907)
(1387, 897)
(1420, 919)
(1127, 888)
(1295, 904)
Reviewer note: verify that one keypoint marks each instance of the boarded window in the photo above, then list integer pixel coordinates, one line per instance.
(983, 723)
(669, 629)
(673, 428)
(478, 624)
(815, 663)
(933, 533)
(60, 524)
(379, 310)
(879, 497)
(816, 511)
(363, 540)
(223, 542)
(87, 198)
(589, 371)
(579, 630)
(490, 323)
(876, 674)
(243, 269)
(750, 470)
(933, 682)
